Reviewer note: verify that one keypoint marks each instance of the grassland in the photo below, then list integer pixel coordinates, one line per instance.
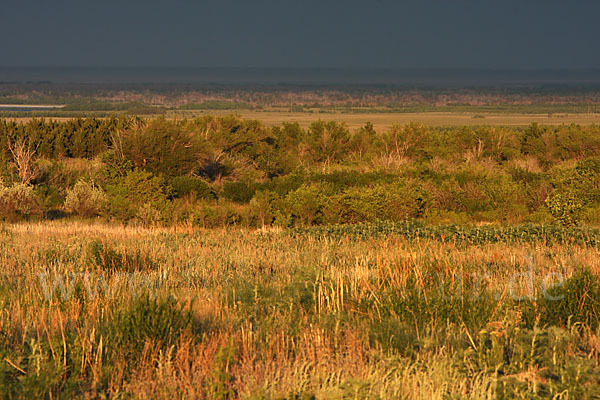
(92, 310)
(383, 121)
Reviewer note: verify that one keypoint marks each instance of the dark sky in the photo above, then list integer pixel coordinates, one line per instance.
(302, 33)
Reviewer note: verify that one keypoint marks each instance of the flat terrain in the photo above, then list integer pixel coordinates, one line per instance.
(382, 121)
(385, 120)
(272, 314)
(32, 106)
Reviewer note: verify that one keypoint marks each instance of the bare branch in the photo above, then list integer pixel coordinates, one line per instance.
(23, 155)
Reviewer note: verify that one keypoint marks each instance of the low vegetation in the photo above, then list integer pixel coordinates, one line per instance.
(99, 311)
(216, 257)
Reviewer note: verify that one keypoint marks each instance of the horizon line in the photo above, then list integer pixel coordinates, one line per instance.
(591, 68)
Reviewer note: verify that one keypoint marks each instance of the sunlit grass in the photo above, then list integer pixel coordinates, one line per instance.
(236, 313)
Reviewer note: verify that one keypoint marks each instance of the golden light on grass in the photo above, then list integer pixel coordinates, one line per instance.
(273, 313)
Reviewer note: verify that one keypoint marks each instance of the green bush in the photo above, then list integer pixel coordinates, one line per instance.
(341, 180)
(206, 215)
(575, 189)
(588, 179)
(128, 194)
(282, 185)
(305, 205)
(18, 200)
(85, 199)
(190, 185)
(51, 197)
(161, 146)
(262, 207)
(239, 192)
(393, 202)
(565, 207)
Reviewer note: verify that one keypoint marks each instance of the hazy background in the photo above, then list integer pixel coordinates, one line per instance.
(514, 34)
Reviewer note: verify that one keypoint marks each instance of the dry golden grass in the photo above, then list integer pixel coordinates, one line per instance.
(383, 121)
(260, 337)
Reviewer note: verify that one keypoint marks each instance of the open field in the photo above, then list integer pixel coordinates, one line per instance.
(297, 314)
(8, 107)
(383, 121)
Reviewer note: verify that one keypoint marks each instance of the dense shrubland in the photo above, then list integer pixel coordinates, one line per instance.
(215, 171)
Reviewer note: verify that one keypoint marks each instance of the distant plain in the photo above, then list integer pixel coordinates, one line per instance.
(383, 121)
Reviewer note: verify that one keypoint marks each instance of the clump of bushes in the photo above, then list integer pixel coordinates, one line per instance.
(565, 207)
(305, 205)
(18, 200)
(395, 202)
(135, 193)
(262, 207)
(85, 199)
(190, 185)
(575, 190)
(239, 192)
(319, 203)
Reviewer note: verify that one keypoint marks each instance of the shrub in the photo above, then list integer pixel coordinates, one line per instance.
(162, 147)
(129, 193)
(189, 185)
(306, 204)
(283, 185)
(233, 217)
(85, 199)
(261, 207)
(575, 190)
(50, 196)
(328, 141)
(381, 202)
(205, 215)
(6, 172)
(18, 200)
(565, 207)
(587, 176)
(239, 192)
(341, 180)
